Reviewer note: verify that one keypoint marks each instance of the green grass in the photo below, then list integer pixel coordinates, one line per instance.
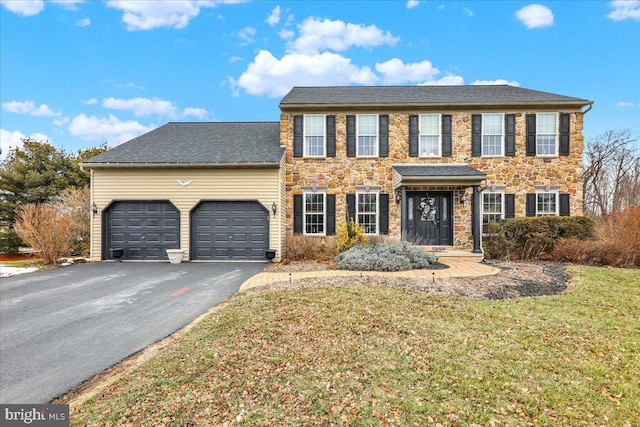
(373, 355)
(35, 262)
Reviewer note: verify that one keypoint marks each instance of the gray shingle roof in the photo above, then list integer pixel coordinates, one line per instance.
(471, 95)
(439, 171)
(199, 144)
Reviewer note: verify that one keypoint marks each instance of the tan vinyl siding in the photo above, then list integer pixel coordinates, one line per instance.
(261, 184)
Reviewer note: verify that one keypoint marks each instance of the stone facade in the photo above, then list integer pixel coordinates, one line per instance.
(518, 175)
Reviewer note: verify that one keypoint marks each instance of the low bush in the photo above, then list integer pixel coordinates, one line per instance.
(298, 247)
(533, 238)
(350, 233)
(10, 242)
(47, 230)
(384, 257)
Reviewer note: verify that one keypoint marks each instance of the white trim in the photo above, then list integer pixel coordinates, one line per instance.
(557, 195)
(377, 143)
(324, 135)
(324, 213)
(482, 134)
(557, 135)
(377, 213)
(439, 153)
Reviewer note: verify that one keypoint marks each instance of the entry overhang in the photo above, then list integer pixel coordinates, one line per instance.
(458, 175)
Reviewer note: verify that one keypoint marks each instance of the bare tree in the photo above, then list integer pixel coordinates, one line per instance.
(612, 173)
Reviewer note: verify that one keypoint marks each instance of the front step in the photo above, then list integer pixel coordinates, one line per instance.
(442, 253)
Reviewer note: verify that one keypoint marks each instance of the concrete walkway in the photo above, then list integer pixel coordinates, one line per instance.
(457, 268)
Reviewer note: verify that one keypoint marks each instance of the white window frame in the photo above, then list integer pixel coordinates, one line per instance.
(557, 196)
(377, 212)
(556, 135)
(482, 135)
(324, 213)
(502, 205)
(377, 136)
(420, 135)
(324, 136)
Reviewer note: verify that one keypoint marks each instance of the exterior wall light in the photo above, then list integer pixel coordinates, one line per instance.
(274, 208)
(94, 208)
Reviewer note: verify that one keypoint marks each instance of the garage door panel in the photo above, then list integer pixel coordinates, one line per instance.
(144, 229)
(237, 230)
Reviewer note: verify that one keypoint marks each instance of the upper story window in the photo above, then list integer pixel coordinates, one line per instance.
(367, 135)
(367, 211)
(492, 208)
(314, 137)
(546, 134)
(314, 213)
(429, 144)
(492, 134)
(546, 204)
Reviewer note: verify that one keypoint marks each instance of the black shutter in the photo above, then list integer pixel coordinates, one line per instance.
(564, 204)
(476, 135)
(351, 206)
(297, 213)
(509, 205)
(351, 136)
(331, 136)
(384, 213)
(383, 137)
(413, 135)
(331, 214)
(510, 135)
(531, 134)
(446, 135)
(564, 133)
(297, 136)
(531, 204)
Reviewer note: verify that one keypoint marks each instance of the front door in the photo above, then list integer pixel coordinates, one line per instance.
(430, 218)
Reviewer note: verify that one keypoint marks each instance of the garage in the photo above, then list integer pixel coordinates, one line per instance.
(229, 230)
(143, 229)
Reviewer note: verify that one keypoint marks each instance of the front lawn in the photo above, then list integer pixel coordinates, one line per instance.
(379, 355)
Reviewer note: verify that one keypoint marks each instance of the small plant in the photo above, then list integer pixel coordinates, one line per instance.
(47, 230)
(384, 257)
(350, 234)
(298, 247)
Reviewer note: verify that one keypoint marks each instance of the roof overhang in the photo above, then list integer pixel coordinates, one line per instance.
(148, 165)
(441, 174)
(462, 106)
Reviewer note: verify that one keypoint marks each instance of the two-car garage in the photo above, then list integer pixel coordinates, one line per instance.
(219, 230)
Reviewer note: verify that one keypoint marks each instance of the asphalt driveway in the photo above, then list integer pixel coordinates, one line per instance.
(58, 328)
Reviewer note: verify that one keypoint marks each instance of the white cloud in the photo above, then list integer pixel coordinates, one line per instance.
(86, 22)
(200, 113)
(149, 14)
(275, 77)
(535, 16)
(29, 107)
(624, 104)
(412, 3)
(142, 106)
(110, 128)
(496, 82)
(235, 59)
(274, 16)
(24, 7)
(624, 9)
(448, 80)
(11, 140)
(468, 12)
(286, 34)
(90, 101)
(317, 35)
(68, 4)
(247, 34)
(394, 71)
(61, 121)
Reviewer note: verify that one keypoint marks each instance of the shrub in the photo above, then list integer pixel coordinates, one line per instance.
(533, 238)
(45, 229)
(298, 247)
(350, 234)
(384, 257)
(74, 203)
(10, 242)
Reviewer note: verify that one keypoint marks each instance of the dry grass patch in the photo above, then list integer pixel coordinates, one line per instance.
(381, 355)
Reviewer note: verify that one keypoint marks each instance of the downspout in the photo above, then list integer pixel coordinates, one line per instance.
(590, 106)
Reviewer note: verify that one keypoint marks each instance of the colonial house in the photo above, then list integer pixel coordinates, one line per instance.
(429, 164)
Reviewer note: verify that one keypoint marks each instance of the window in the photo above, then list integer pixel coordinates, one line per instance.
(367, 212)
(546, 134)
(492, 135)
(429, 135)
(367, 132)
(314, 142)
(546, 204)
(492, 208)
(314, 213)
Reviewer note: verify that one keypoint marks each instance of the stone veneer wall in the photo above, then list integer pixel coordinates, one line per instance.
(519, 175)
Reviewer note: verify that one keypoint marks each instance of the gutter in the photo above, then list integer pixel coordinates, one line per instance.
(178, 165)
(590, 106)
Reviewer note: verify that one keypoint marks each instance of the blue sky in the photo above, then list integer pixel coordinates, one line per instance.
(79, 73)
